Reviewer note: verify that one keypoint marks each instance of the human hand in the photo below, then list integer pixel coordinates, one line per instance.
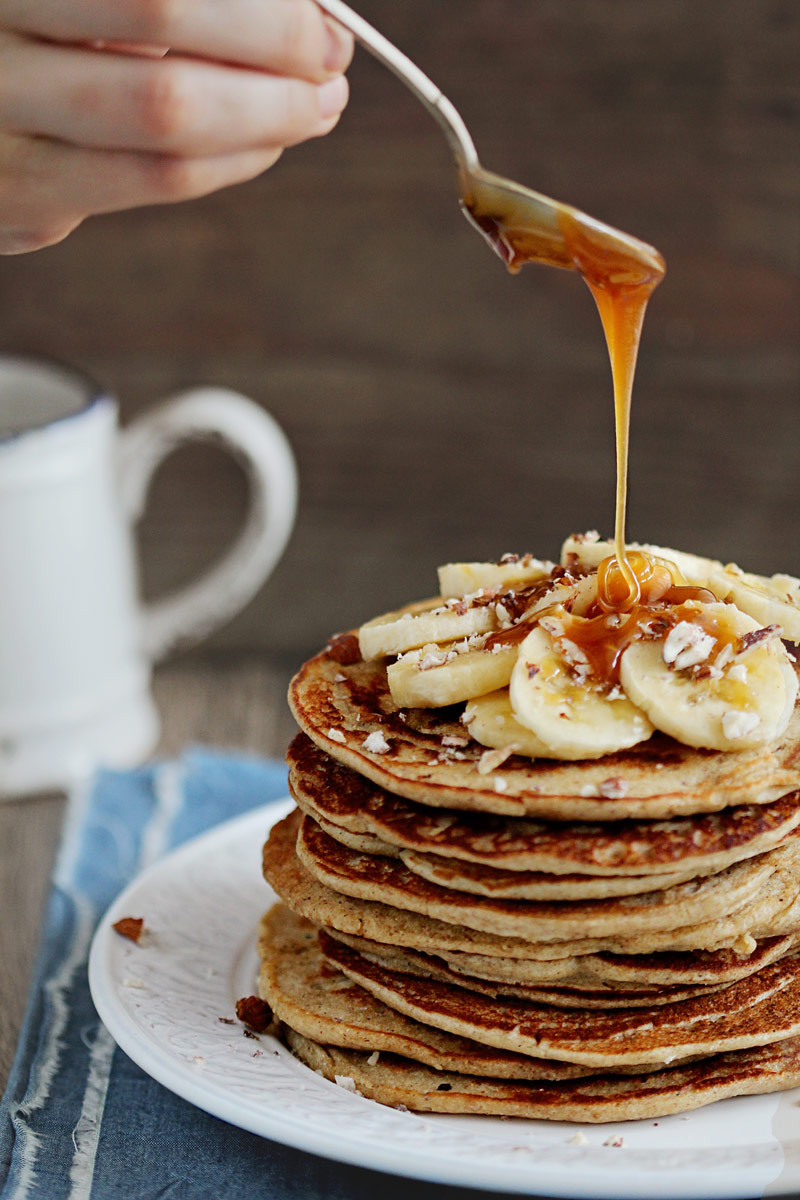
(91, 121)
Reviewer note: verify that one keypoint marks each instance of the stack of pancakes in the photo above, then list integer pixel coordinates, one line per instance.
(467, 931)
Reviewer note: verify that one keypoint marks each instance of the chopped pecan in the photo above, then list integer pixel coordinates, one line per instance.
(130, 927)
(255, 1013)
(758, 635)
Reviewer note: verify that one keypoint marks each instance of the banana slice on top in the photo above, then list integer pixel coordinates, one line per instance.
(769, 600)
(396, 632)
(491, 721)
(573, 718)
(740, 699)
(512, 570)
(438, 675)
(590, 552)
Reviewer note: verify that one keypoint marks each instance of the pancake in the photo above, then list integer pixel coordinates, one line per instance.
(319, 1002)
(612, 972)
(362, 842)
(478, 880)
(372, 877)
(337, 796)
(337, 693)
(758, 1010)
(398, 1082)
(775, 912)
(429, 967)
(470, 930)
(492, 881)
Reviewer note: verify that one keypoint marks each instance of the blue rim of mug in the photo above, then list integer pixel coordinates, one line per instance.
(94, 393)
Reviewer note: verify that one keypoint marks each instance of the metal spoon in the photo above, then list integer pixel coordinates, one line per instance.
(520, 225)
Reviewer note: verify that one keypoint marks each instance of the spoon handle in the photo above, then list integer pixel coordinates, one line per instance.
(423, 88)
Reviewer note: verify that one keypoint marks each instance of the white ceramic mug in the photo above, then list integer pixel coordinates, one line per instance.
(76, 643)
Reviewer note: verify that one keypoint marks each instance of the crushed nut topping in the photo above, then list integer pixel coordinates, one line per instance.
(724, 657)
(737, 724)
(490, 760)
(376, 743)
(436, 659)
(502, 614)
(553, 626)
(758, 635)
(686, 645)
(130, 928)
(614, 788)
(255, 1013)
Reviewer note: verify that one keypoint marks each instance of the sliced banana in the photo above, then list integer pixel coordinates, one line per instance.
(694, 568)
(571, 718)
(747, 701)
(396, 632)
(491, 721)
(771, 600)
(438, 675)
(461, 579)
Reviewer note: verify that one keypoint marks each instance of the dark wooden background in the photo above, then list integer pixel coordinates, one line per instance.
(439, 408)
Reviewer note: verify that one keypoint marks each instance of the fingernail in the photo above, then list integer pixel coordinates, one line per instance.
(339, 49)
(333, 96)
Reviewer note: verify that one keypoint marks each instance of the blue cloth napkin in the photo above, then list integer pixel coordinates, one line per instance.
(83, 1123)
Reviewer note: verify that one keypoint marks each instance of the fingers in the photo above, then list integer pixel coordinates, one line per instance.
(287, 37)
(47, 188)
(173, 105)
(22, 239)
(93, 118)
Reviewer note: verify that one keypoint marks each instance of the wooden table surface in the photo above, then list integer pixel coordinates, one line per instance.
(230, 702)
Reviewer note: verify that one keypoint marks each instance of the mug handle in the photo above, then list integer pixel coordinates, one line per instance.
(256, 440)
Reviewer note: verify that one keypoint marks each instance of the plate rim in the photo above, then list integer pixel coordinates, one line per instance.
(211, 1097)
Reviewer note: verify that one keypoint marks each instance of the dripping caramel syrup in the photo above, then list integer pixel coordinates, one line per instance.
(603, 632)
(638, 595)
(621, 282)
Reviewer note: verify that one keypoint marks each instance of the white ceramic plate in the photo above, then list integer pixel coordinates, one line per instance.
(162, 1002)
